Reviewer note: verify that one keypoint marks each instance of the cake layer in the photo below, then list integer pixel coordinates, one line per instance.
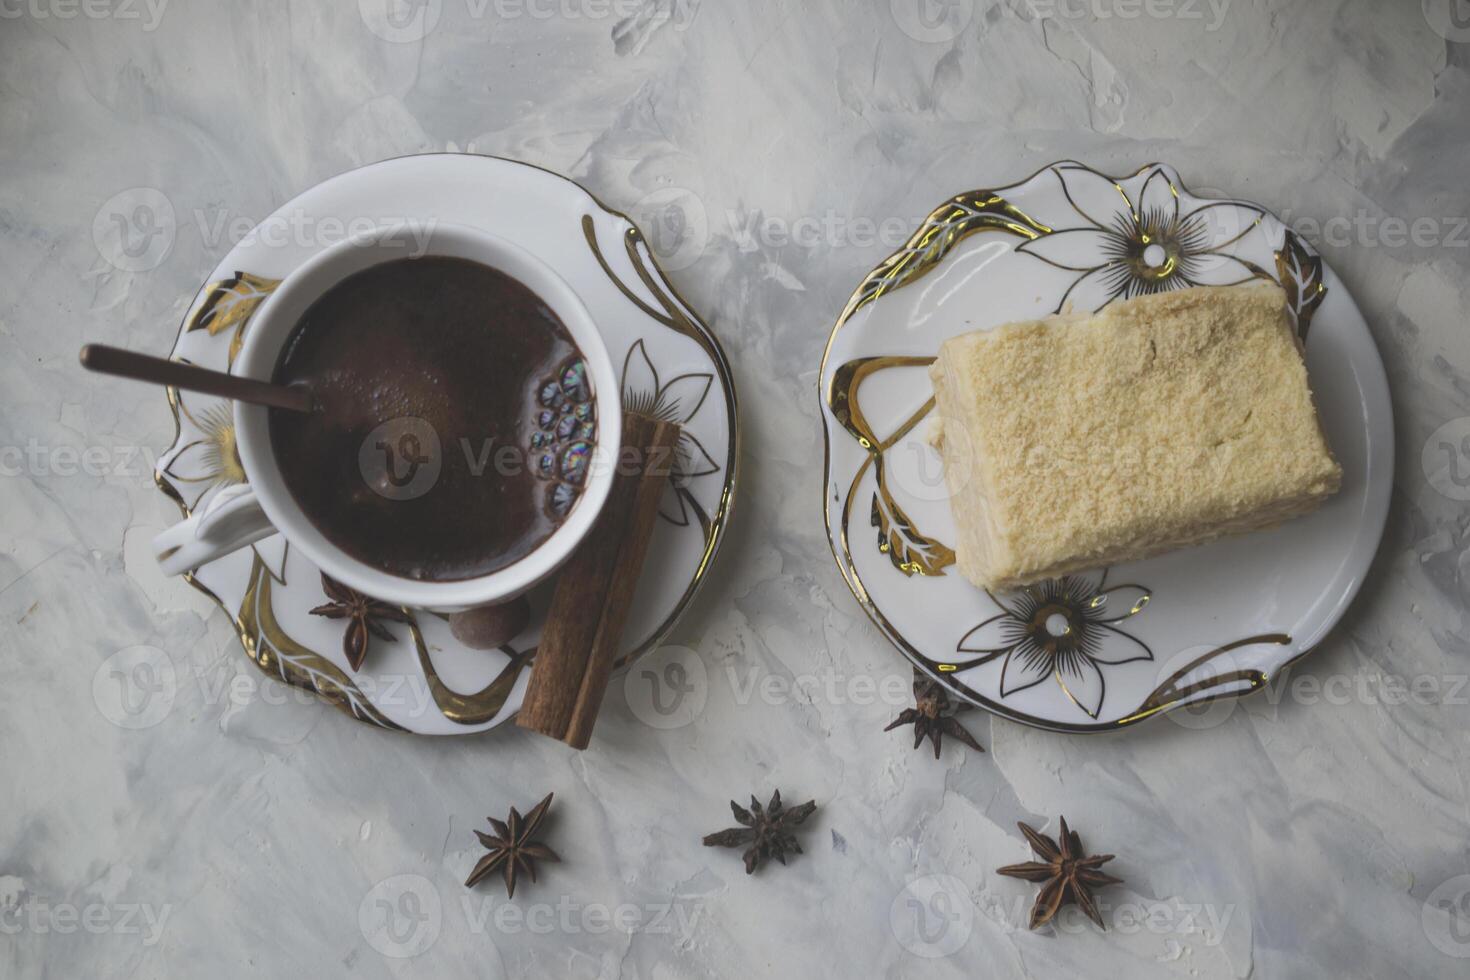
(1163, 421)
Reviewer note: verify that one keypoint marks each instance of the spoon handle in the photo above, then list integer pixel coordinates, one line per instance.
(142, 367)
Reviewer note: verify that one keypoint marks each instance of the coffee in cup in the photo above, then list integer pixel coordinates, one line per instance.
(455, 420)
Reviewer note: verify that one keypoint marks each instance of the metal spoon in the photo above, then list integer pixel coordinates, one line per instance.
(159, 370)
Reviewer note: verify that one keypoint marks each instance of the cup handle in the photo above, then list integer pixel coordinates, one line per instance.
(232, 520)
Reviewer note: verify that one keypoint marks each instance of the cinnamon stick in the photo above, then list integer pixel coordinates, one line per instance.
(594, 592)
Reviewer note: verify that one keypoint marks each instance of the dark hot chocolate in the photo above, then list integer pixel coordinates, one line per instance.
(455, 419)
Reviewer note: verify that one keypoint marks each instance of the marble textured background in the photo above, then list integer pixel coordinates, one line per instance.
(1295, 834)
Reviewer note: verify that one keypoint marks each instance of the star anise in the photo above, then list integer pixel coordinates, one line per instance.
(767, 831)
(512, 849)
(362, 614)
(933, 715)
(1064, 872)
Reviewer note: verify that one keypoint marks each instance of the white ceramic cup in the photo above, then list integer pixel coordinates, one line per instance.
(241, 515)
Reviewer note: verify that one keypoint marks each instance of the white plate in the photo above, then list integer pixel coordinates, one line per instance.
(1195, 624)
(671, 364)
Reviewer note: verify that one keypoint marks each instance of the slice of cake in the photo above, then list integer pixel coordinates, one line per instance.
(1168, 420)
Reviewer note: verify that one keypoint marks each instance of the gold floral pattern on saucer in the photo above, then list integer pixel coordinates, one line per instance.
(425, 680)
(1070, 238)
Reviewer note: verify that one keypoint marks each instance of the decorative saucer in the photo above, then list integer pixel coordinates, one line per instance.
(424, 680)
(1138, 639)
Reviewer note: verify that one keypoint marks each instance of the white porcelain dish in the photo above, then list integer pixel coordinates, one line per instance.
(666, 362)
(263, 506)
(1195, 624)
